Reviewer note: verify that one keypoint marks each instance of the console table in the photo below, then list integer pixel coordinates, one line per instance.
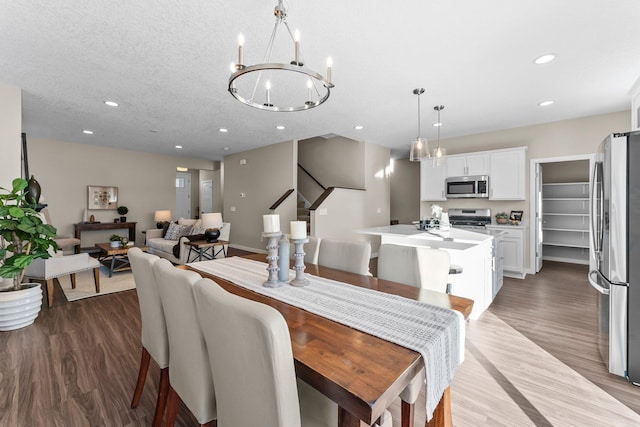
(96, 226)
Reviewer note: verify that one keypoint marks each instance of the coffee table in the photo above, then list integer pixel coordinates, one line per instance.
(115, 259)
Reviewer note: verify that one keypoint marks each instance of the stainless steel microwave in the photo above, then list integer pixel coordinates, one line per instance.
(473, 186)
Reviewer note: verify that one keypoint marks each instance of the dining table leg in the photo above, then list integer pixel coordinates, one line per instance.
(442, 413)
(346, 419)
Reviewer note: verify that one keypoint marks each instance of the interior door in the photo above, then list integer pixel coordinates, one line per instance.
(183, 195)
(206, 196)
(538, 225)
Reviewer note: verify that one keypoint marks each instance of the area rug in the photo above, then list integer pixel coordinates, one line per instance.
(85, 287)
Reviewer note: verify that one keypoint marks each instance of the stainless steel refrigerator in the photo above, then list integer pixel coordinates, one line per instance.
(615, 230)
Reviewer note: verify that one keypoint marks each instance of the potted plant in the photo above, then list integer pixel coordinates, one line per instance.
(502, 218)
(123, 210)
(23, 238)
(115, 241)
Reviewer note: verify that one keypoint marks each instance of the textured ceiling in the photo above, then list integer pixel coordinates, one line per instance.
(167, 64)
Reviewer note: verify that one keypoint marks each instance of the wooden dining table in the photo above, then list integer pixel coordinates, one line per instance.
(363, 374)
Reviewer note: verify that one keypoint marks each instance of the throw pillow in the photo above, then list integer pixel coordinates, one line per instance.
(165, 227)
(197, 228)
(172, 232)
(176, 231)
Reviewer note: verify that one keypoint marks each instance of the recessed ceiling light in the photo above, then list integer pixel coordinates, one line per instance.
(88, 132)
(358, 127)
(226, 148)
(280, 127)
(435, 125)
(545, 103)
(545, 58)
(111, 103)
(223, 130)
(178, 146)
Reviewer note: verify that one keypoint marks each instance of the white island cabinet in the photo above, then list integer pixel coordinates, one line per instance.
(469, 250)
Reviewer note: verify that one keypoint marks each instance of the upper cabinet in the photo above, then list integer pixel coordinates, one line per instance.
(507, 174)
(432, 176)
(505, 168)
(468, 164)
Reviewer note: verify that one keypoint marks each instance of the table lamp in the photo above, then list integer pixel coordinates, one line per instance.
(212, 223)
(160, 217)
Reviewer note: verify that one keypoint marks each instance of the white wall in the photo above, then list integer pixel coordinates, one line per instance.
(10, 134)
(145, 181)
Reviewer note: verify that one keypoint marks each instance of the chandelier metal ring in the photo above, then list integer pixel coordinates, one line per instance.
(249, 99)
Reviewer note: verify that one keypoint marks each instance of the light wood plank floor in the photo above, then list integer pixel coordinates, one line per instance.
(531, 359)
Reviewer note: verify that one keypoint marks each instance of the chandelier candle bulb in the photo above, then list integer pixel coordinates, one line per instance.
(240, 48)
(271, 223)
(298, 230)
(296, 47)
(329, 65)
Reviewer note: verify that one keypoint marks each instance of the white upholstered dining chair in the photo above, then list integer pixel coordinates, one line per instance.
(155, 343)
(345, 255)
(252, 363)
(190, 376)
(422, 268)
(414, 266)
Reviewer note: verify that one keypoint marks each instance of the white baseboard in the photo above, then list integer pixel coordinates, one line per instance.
(246, 248)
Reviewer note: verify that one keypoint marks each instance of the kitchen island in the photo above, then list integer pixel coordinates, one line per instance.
(470, 250)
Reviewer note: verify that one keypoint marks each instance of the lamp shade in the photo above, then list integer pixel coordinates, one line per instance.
(212, 222)
(161, 216)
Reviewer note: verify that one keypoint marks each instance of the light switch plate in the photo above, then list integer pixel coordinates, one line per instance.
(233, 208)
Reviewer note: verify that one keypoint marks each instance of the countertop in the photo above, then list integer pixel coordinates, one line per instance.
(455, 239)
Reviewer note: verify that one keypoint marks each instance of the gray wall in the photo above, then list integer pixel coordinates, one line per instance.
(268, 173)
(405, 191)
(146, 182)
(574, 171)
(335, 162)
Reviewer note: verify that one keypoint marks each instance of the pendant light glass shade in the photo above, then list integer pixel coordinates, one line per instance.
(439, 153)
(419, 150)
(419, 147)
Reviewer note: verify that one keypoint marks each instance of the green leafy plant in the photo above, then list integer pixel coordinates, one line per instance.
(23, 235)
(123, 210)
(115, 238)
(502, 215)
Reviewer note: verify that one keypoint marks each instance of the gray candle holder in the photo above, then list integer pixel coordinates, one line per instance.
(272, 259)
(299, 280)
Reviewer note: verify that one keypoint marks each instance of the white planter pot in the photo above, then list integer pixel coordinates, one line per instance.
(114, 244)
(20, 308)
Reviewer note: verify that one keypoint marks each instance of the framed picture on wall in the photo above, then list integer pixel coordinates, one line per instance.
(516, 216)
(100, 197)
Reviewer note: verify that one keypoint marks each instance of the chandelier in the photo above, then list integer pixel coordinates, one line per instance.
(419, 146)
(274, 86)
(439, 153)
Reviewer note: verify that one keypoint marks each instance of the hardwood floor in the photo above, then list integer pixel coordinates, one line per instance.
(531, 359)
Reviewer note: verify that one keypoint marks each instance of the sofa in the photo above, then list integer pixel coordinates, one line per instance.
(175, 250)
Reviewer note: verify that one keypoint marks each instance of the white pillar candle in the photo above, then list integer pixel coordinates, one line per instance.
(271, 223)
(298, 229)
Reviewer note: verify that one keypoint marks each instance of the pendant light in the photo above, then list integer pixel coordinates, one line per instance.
(439, 153)
(419, 146)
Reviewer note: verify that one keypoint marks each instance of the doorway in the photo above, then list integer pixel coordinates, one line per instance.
(183, 195)
(559, 196)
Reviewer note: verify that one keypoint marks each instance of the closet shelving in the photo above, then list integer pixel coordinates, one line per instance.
(565, 222)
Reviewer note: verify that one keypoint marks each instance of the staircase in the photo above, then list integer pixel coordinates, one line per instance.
(304, 213)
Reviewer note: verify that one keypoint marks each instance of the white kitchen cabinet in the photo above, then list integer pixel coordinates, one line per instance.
(507, 174)
(432, 176)
(468, 164)
(512, 249)
(565, 222)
